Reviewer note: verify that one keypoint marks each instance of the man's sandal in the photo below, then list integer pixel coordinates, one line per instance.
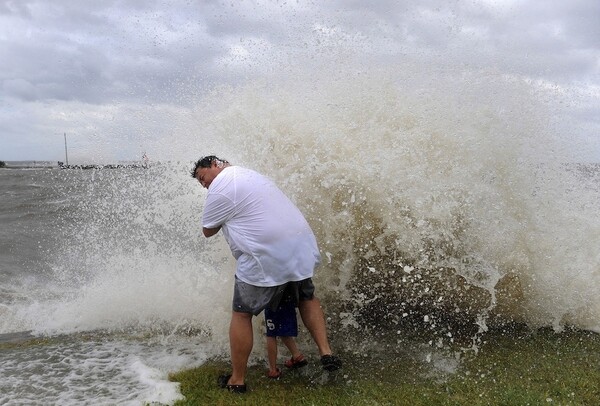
(331, 363)
(223, 380)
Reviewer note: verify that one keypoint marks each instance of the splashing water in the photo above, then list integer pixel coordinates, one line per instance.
(440, 197)
(442, 200)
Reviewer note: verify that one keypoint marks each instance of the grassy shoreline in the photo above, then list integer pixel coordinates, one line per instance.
(510, 368)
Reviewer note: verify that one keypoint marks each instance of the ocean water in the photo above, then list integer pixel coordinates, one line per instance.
(444, 201)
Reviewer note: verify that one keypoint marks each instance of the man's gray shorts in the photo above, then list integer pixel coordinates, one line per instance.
(254, 299)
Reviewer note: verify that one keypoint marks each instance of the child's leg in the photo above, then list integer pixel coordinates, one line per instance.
(291, 345)
(272, 353)
(297, 360)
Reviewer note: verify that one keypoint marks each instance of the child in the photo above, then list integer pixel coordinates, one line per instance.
(282, 323)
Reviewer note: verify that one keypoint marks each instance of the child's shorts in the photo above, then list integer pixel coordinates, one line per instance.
(282, 322)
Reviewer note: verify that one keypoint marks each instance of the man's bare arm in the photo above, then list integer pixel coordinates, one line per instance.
(209, 232)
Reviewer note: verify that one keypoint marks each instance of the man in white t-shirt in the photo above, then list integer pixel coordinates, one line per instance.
(276, 252)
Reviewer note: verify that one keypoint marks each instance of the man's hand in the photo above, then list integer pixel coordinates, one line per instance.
(209, 232)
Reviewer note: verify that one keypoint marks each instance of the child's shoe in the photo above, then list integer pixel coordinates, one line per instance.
(274, 374)
(297, 362)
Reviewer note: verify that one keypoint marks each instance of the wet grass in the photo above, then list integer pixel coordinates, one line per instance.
(516, 367)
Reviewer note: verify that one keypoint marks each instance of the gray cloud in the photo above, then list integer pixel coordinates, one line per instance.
(74, 56)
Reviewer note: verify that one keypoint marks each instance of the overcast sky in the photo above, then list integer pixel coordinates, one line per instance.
(104, 72)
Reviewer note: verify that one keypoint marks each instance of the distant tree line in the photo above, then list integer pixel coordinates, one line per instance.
(2, 164)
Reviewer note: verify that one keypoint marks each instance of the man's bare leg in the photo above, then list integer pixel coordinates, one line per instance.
(314, 320)
(240, 342)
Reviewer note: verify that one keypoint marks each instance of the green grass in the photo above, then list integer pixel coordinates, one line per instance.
(510, 368)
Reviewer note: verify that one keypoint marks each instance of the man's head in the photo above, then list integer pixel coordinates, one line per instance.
(206, 169)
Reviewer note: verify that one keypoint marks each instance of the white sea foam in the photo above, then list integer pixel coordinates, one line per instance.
(74, 370)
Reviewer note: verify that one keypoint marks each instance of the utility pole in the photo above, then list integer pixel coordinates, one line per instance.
(66, 156)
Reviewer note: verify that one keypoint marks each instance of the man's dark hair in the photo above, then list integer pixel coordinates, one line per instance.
(205, 162)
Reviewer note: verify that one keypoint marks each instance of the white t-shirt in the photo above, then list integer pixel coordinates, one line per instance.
(268, 236)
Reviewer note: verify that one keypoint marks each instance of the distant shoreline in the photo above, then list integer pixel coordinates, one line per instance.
(16, 338)
(27, 165)
(61, 165)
